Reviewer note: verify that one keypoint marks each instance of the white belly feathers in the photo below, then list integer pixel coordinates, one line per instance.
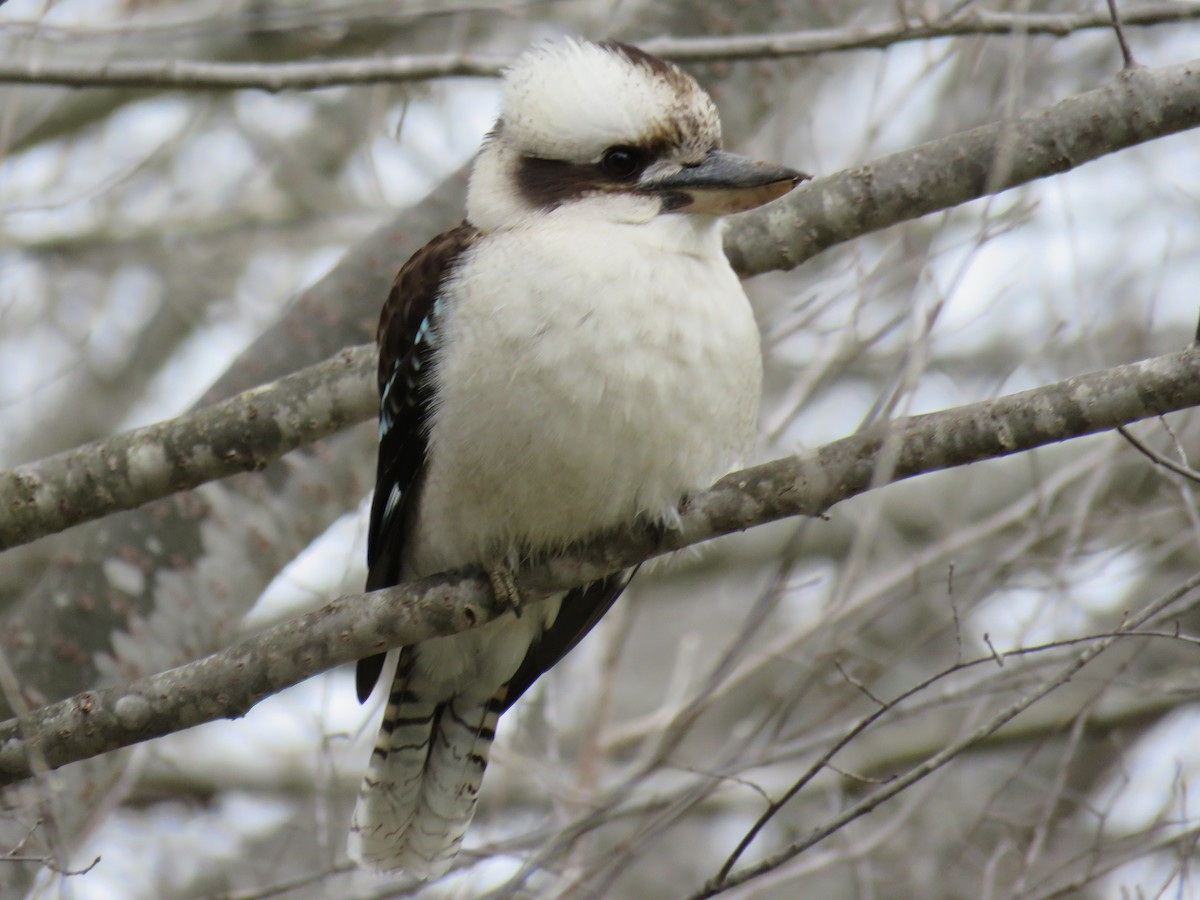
(569, 408)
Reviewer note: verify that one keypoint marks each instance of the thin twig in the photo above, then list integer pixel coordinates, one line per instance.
(1118, 28)
(1157, 458)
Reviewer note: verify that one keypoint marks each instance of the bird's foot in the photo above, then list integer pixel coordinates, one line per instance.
(504, 586)
(660, 526)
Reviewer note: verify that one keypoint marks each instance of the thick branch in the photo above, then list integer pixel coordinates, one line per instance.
(229, 683)
(244, 433)
(1137, 106)
(207, 76)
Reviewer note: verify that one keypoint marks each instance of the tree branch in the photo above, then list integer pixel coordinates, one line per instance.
(228, 683)
(207, 76)
(244, 433)
(1137, 106)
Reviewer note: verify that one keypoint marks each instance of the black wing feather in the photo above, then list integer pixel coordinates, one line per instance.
(407, 357)
(581, 609)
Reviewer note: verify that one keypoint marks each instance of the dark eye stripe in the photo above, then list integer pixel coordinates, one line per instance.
(549, 183)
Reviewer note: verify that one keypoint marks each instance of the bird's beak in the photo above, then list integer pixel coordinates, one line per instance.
(724, 183)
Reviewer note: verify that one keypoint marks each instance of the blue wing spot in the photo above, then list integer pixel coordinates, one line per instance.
(393, 501)
(422, 331)
(426, 332)
(387, 388)
(385, 408)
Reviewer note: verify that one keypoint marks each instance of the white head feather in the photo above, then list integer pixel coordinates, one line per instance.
(571, 100)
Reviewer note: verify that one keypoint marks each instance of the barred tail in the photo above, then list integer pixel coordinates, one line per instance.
(420, 792)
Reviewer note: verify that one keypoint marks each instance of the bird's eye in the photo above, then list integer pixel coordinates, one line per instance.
(622, 163)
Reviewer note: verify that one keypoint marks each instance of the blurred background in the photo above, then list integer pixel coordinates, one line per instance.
(161, 248)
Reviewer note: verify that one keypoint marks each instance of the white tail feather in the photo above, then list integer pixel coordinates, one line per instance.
(420, 792)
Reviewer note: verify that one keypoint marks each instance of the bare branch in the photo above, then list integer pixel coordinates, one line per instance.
(960, 23)
(1137, 106)
(208, 76)
(273, 24)
(879, 769)
(272, 77)
(936, 761)
(1157, 458)
(243, 433)
(228, 683)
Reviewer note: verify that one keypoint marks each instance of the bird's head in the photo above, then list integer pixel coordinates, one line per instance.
(611, 130)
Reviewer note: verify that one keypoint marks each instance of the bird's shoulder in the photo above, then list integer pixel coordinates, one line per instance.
(414, 293)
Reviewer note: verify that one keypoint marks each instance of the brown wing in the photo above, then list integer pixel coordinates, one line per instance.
(407, 339)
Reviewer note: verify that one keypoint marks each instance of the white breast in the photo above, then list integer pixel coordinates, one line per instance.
(590, 371)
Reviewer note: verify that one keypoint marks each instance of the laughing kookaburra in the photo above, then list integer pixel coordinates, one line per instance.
(575, 355)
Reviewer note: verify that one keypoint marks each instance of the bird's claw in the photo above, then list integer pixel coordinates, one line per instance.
(504, 587)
